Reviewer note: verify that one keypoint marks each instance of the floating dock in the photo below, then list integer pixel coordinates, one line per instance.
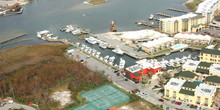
(17, 36)
(165, 15)
(144, 24)
(177, 10)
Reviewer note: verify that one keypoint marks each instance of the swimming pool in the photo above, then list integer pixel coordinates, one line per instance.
(179, 46)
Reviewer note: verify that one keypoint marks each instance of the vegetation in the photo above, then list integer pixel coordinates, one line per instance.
(162, 51)
(193, 5)
(96, 2)
(29, 73)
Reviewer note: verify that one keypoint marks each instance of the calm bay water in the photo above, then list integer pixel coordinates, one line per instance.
(53, 14)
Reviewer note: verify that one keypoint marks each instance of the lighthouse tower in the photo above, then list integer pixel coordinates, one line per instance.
(113, 27)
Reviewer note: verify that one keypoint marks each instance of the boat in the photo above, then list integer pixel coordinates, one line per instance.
(77, 43)
(62, 29)
(182, 50)
(90, 50)
(91, 40)
(189, 56)
(117, 50)
(93, 52)
(151, 17)
(101, 58)
(44, 33)
(76, 32)
(106, 58)
(83, 46)
(111, 60)
(103, 45)
(167, 53)
(121, 63)
(86, 49)
(98, 54)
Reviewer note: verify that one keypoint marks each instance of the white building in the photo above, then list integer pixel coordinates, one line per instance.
(208, 9)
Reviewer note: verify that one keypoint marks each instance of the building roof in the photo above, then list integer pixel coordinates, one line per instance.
(210, 51)
(192, 36)
(136, 74)
(202, 71)
(215, 68)
(205, 90)
(187, 74)
(188, 84)
(186, 16)
(156, 42)
(215, 79)
(191, 64)
(205, 64)
(175, 84)
(187, 92)
(206, 6)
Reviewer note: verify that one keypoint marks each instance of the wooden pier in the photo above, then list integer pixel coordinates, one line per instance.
(177, 10)
(17, 36)
(165, 15)
(144, 24)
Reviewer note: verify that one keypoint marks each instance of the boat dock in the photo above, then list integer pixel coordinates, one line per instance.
(17, 36)
(177, 10)
(165, 15)
(144, 24)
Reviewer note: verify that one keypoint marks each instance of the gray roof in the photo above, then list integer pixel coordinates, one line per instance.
(187, 92)
(215, 79)
(188, 74)
(188, 84)
(210, 51)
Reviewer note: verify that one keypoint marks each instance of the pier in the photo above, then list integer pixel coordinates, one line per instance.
(165, 15)
(177, 10)
(146, 24)
(17, 36)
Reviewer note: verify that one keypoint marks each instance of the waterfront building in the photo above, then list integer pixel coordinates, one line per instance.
(187, 75)
(192, 39)
(186, 23)
(190, 92)
(208, 8)
(202, 68)
(135, 72)
(157, 44)
(210, 55)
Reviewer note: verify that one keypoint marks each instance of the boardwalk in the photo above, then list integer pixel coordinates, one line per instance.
(177, 10)
(165, 15)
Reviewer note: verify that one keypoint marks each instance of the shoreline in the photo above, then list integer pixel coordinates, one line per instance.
(188, 1)
(87, 2)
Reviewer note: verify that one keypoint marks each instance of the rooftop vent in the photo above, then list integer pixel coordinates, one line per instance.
(174, 83)
(217, 68)
(192, 64)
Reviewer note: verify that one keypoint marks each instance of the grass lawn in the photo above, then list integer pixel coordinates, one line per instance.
(162, 51)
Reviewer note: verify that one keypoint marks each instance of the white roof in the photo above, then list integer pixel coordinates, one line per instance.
(156, 42)
(186, 16)
(205, 90)
(175, 84)
(215, 68)
(206, 6)
(193, 36)
(191, 64)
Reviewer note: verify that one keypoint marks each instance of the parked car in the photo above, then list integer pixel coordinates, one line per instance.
(179, 103)
(173, 101)
(156, 86)
(126, 79)
(161, 100)
(191, 106)
(160, 84)
(195, 107)
(167, 108)
(117, 74)
(135, 90)
(115, 71)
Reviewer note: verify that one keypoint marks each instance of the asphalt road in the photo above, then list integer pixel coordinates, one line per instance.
(16, 105)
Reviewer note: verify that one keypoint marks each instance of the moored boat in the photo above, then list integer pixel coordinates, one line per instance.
(117, 50)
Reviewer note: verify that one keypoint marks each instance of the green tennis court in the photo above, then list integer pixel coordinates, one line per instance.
(103, 98)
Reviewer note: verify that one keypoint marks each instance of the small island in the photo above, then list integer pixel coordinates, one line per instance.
(95, 2)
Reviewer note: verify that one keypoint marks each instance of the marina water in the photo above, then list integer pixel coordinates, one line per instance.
(53, 14)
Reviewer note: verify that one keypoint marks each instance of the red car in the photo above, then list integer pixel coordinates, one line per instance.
(160, 84)
(177, 103)
(161, 100)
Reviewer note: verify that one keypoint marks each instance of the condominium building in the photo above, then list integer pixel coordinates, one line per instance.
(192, 39)
(187, 75)
(210, 55)
(209, 9)
(213, 80)
(202, 68)
(190, 92)
(157, 44)
(186, 23)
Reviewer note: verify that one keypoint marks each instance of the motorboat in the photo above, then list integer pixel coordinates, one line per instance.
(117, 50)
(103, 45)
(42, 33)
(76, 32)
(189, 56)
(111, 60)
(90, 50)
(151, 17)
(98, 54)
(167, 53)
(83, 46)
(91, 40)
(77, 43)
(93, 52)
(101, 58)
(121, 63)
(106, 58)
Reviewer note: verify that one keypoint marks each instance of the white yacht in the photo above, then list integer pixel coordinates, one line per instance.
(103, 45)
(77, 43)
(91, 40)
(167, 53)
(182, 50)
(151, 17)
(41, 33)
(93, 52)
(83, 46)
(189, 56)
(121, 63)
(76, 32)
(117, 50)
(111, 60)
(106, 58)
(98, 54)
(101, 58)
(90, 50)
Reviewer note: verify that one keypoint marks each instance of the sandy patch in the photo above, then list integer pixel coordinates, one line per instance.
(64, 97)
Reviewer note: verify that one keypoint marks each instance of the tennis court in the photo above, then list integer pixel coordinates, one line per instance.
(103, 98)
